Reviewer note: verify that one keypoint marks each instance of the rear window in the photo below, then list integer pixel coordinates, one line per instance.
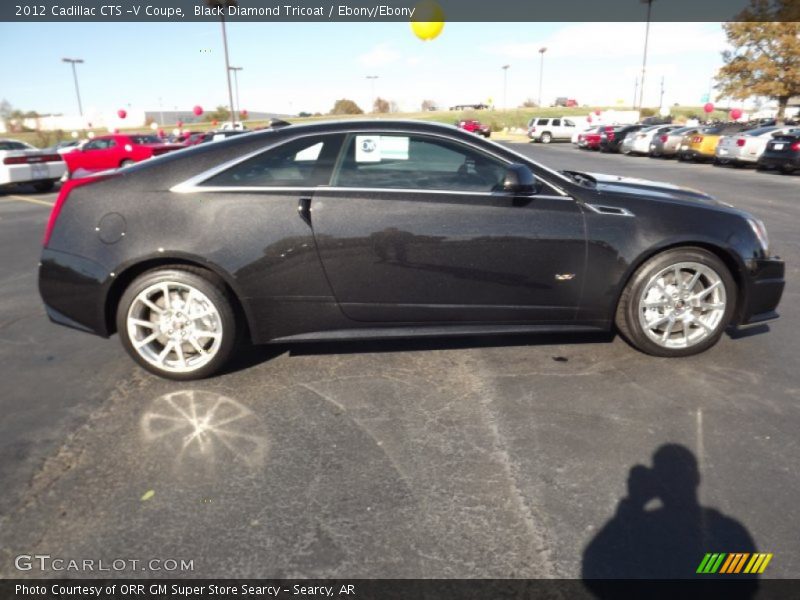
(145, 139)
(11, 145)
(760, 131)
(542, 121)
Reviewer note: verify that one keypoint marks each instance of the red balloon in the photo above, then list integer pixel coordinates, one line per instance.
(708, 108)
(115, 130)
(160, 133)
(243, 113)
(736, 114)
(121, 113)
(597, 112)
(589, 119)
(180, 124)
(198, 110)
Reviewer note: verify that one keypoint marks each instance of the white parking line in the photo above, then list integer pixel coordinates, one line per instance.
(26, 199)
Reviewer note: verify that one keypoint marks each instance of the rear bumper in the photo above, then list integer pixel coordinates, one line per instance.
(779, 161)
(74, 290)
(763, 291)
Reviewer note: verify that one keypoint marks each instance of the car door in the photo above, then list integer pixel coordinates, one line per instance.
(567, 129)
(414, 229)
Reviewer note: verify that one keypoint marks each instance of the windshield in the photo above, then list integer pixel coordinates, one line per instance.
(12, 145)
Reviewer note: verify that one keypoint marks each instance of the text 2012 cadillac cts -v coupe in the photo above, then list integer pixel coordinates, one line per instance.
(379, 229)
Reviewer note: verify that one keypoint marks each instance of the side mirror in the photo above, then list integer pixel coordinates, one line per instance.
(520, 180)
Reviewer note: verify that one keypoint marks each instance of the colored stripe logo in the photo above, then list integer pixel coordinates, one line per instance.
(734, 563)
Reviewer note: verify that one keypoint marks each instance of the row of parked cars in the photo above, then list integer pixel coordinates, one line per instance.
(767, 146)
(24, 164)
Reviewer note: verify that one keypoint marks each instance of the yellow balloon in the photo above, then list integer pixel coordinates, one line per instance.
(428, 20)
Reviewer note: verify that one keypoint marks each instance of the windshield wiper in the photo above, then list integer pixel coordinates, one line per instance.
(581, 178)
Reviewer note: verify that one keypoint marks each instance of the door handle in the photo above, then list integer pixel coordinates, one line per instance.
(304, 210)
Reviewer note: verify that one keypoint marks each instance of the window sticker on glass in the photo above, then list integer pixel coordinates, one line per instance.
(368, 149)
(394, 147)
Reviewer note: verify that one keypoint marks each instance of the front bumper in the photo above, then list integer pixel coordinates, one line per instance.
(762, 291)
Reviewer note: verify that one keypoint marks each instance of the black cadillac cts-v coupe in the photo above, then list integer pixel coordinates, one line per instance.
(380, 229)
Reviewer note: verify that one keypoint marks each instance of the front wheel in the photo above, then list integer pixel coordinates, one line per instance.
(677, 304)
(177, 323)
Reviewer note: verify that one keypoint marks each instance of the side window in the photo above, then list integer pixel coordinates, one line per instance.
(543, 121)
(305, 162)
(397, 161)
(111, 143)
(556, 122)
(568, 123)
(95, 145)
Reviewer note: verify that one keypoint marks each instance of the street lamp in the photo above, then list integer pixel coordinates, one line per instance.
(236, 85)
(542, 50)
(505, 86)
(225, 4)
(73, 62)
(371, 79)
(644, 58)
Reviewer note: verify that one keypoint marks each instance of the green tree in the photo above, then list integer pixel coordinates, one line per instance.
(765, 59)
(346, 107)
(220, 114)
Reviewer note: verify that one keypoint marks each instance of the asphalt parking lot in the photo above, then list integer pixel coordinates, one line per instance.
(483, 458)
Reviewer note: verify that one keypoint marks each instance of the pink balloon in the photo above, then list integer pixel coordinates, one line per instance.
(160, 133)
(215, 122)
(180, 124)
(243, 113)
(736, 114)
(589, 119)
(198, 110)
(121, 113)
(597, 112)
(115, 130)
(708, 108)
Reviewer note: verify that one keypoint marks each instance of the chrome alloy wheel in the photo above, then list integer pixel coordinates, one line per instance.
(174, 327)
(682, 305)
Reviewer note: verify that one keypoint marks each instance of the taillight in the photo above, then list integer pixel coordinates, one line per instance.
(795, 147)
(66, 188)
(741, 142)
(31, 160)
(663, 139)
(610, 136)
(697, 139)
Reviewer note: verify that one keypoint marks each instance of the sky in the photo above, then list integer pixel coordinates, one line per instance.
(293, 67)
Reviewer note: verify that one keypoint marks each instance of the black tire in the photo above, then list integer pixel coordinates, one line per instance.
(787, 169)
(44, 186)
(208, 284)
(627, 315)
(546, 137)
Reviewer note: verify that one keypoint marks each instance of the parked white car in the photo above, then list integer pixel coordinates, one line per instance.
(21, 163)
(549, 129)
(638, 142)
(747, 146)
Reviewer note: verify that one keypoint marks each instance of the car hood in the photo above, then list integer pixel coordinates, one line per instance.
(658, 190)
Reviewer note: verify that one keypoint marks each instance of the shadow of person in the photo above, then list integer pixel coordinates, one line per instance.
(668, 541)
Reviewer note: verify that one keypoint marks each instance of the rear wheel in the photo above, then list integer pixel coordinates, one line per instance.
(177, 323)
(546, 138)
(125, 163)
(677, 304)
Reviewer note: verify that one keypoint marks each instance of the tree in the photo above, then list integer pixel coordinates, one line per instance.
(220, 114)
(380, 106)
(530, 103)
(346, 107)
(428, 105)
(765, 60)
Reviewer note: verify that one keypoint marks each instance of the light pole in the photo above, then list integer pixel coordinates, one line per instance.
(505, 86)
(542, 50)
(644, 58)
(635, 91)
(236, 85)
(371, 79)
(224, 4)
(73, 62)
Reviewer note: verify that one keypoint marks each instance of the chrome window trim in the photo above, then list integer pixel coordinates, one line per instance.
(193, 184)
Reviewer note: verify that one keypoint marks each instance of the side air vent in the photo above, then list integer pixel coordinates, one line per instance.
(610, 210)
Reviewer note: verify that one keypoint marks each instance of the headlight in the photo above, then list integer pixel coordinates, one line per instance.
(761, 232)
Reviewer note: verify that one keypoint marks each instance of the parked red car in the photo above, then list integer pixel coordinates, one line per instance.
(115, 151)
(591, 139)
(475, 126)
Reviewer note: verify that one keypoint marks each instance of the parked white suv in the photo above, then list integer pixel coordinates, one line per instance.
(548, 129)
